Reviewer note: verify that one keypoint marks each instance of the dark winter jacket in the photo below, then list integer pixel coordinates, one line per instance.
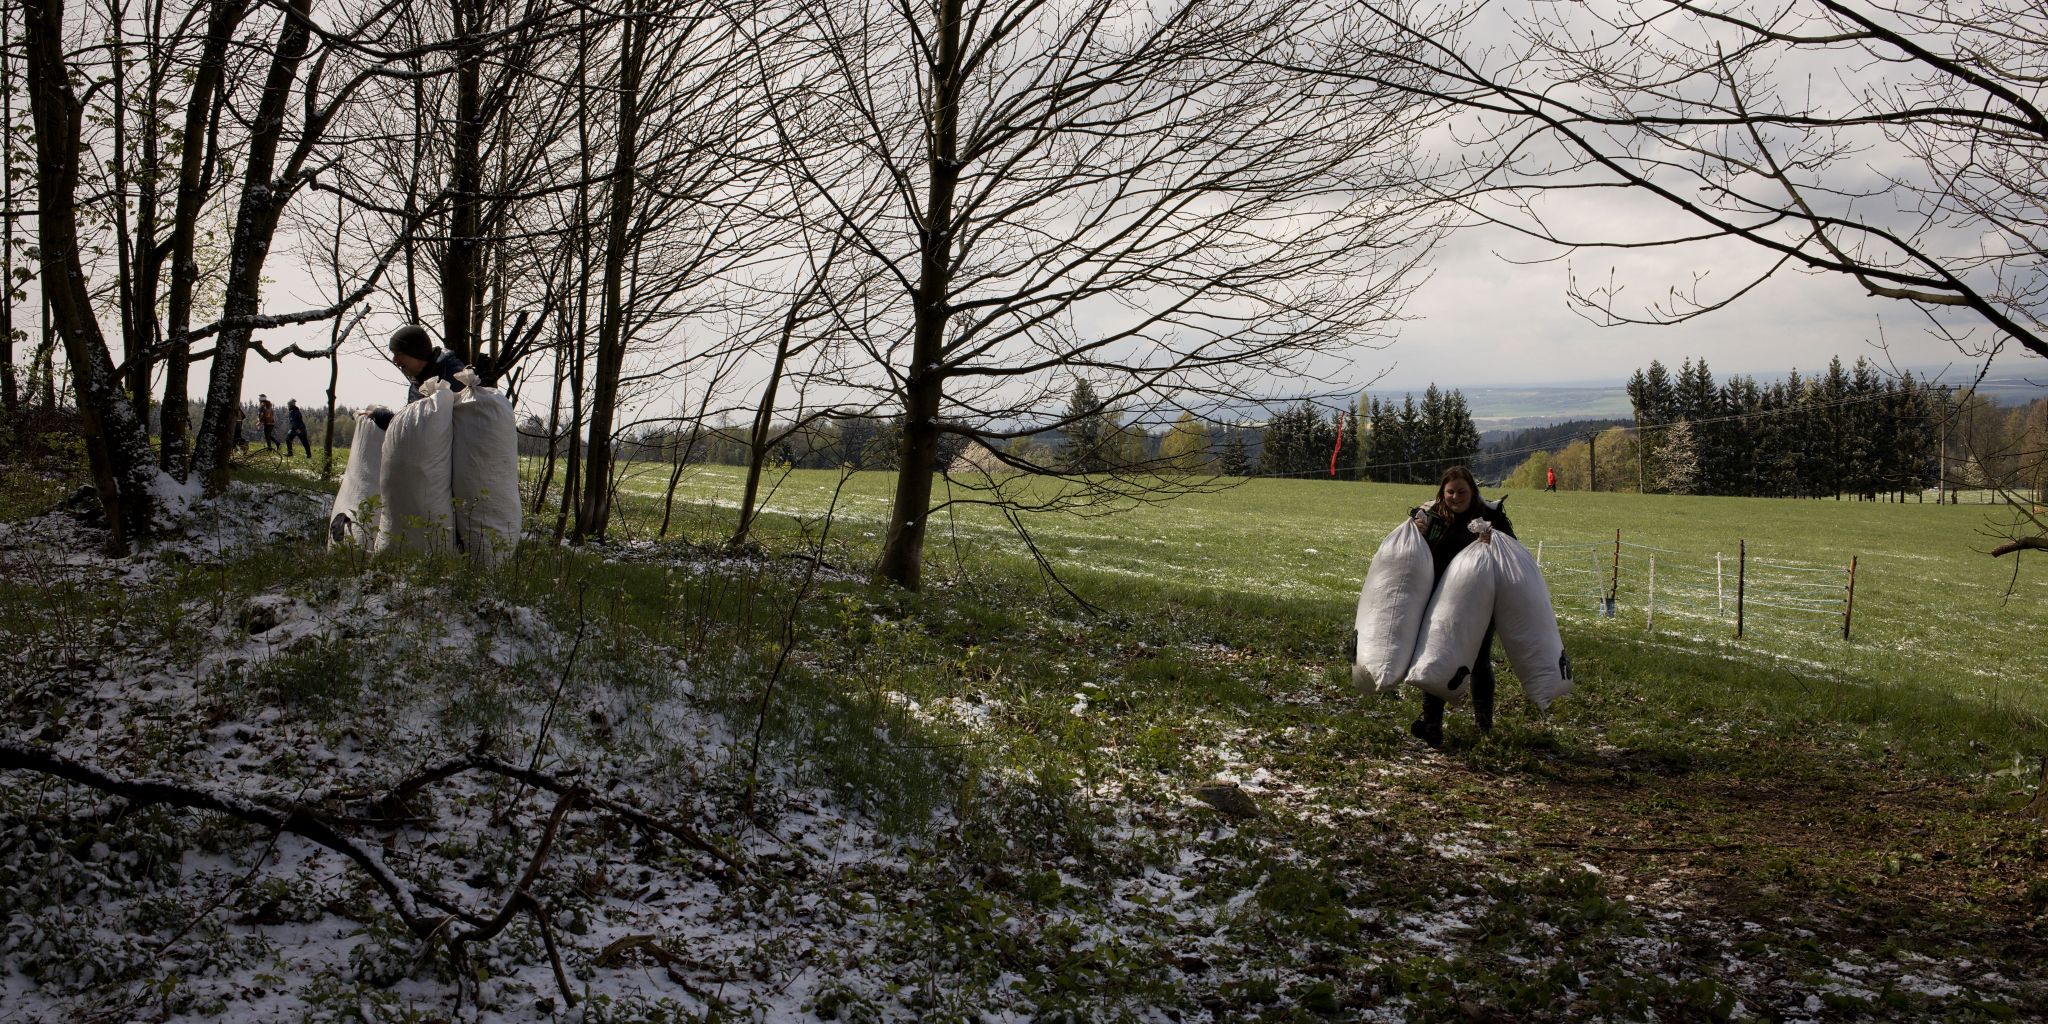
(294, 419)
(1447, 536)
(444, 364)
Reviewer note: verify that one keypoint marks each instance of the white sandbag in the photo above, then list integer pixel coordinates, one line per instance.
(1454, 624)
(417, 513)
(352, 519)
(1526, 623)
(485, 472)
(1390, 609)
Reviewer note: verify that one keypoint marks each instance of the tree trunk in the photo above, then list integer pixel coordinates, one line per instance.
(195, 165)
(595, 510)
(256, 219)
(902, 561)
(10, 398)
(116, 443)
(459, 269)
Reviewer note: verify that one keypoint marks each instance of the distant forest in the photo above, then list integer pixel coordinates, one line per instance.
(1846, 432)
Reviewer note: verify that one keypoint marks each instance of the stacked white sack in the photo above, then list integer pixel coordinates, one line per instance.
(485, 472)
(1527, 624)
(417, 514)
(1454, 624)
(352, 519)
(1391, 607)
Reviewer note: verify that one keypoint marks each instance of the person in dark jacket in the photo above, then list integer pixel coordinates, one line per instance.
(1446, 524)
(295, 426)
(413, 351)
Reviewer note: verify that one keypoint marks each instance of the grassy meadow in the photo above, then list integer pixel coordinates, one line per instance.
(1934, 615)
(985, 802)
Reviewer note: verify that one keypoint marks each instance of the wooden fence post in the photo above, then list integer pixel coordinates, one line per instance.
(1741, 577)
(1650, 623)
(1849, 609)
(1614, 582)
(1720, 601)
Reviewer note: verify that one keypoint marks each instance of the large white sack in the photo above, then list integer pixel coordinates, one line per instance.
(1454, 624)
(1526, 623)
(352, 519)
(1390, 608)
(417, 514)
(485, 477)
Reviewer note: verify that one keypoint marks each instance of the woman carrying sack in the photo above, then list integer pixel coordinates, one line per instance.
(1446, 525)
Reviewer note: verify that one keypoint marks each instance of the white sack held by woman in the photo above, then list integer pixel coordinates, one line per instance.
(353, 517)
(1455, 623)
(1527, 625)
(485, 472)
(1390, 608)
(417, 514)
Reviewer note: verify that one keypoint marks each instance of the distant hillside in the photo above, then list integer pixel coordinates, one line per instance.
(1501, 451)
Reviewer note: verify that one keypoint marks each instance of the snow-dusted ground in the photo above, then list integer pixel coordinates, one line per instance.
(324, 689)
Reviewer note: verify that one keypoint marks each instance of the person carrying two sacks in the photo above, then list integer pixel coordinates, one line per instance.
(1445, 523)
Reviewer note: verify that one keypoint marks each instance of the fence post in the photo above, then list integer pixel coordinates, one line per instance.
(1741, 577)
(1614, 582)
(1650, 623)
(1720, 602)
(1849, 609)
(1539, 552)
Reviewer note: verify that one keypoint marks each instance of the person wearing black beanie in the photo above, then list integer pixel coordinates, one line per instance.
(413, 351)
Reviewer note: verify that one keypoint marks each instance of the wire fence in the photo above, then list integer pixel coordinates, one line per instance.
(1730, 588)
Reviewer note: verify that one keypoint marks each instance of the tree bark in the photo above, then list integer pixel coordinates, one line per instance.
(263, 197)
(594, 512)
(195, 165)
(902, 561)
(116, 442)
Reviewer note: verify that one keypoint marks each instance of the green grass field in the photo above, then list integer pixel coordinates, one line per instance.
(1932, 611)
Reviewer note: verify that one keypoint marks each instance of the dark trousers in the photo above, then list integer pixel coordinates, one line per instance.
(1483, 683)
(270, 437)
(300, 433)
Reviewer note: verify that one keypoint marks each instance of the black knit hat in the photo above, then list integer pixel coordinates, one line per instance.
(412, 340)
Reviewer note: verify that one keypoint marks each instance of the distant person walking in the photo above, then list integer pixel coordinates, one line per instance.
(1550, 479)
(266, 414)
(295, 426)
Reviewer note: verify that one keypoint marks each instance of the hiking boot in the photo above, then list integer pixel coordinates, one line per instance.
(1427, 731)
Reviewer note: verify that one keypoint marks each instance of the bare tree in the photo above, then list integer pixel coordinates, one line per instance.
(116, 442)
(1119, 190)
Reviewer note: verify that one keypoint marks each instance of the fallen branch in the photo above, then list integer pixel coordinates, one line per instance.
(1604, 848)
(477, 761)
(406, 898)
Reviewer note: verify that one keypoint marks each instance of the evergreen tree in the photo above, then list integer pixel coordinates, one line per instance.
(1432, 445)
(1410, 466)
(1385, 447)
(1461, 435)
(1089, 430)
(1236, 457)
(1698, 402)
(1678, 459)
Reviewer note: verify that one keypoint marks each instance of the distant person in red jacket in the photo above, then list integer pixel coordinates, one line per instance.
(1550, 479)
